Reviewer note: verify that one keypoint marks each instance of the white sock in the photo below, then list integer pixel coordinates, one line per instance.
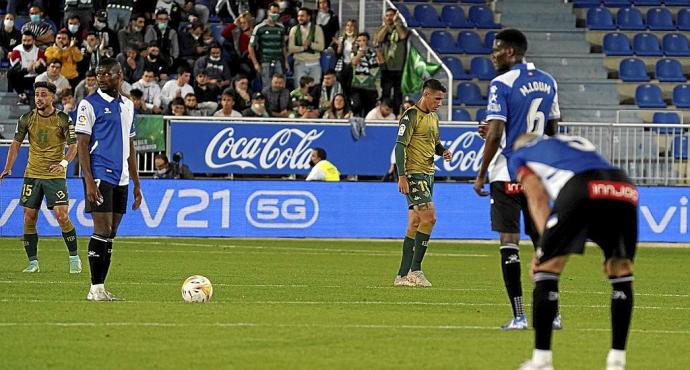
(95, 287)
(540, 356)
(616, 356)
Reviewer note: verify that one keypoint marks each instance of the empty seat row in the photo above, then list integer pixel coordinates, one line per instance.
(650, 96)
(658, 19)
(646, 44)
(481, 68)
(469, 94)
(667, 70)
(468, 42)
(479, 16)
(460, 114)
(627, 3)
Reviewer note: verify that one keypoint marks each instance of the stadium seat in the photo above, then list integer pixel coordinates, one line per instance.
(489, 39)
(649, 96)
(460, 114)
(617, 44)
(669, 70)
(427, 17)
(677, 2)
(480, 115)
(616, 3)
(586, 3)
(683, 19)
(454, 17)
(629, 19)
(456, 67)
(216, 29)
(599, 18)
(647, 2)
(411, 22)
(444, 1)
(676, 45)
(633, 70)
(482, 17)
(472, 1)
(681, 96)
(328, 61)
(469, 94)
(470, 42)
(660, 19)
(442, 42)
(646, 44)
(666, 118)
(482, 68)
(680, 147)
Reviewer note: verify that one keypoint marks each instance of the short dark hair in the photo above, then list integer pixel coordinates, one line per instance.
(28, 33)
(306, 10)
(305, 80)
(434, 85)
(387, 102)
(321, 152)
(273, 5)
(66, 92)
(74, 16)
(162, 11)
(58, 61)
(177, 101)
(163, 157)
(109, 63)
(391, 10)
(183, 69)
(330, 72)
(46, 85)
(136, 93)
(279, 76)
(515, 39)
(190, 94)
(364, 34)
(90, 73)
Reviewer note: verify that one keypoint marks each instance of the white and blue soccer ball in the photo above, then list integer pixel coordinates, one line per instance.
(197, 289)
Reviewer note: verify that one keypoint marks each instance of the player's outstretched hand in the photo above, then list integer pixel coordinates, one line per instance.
(137, 198)
(483, 129)
(479, 186)
(6, 172)
(403, 185)
(55, 168)
(447, 155)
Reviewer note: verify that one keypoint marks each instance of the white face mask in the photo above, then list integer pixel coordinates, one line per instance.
(8, 23)
(215, 59)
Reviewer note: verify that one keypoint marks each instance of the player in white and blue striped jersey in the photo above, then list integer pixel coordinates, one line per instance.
(521, 99)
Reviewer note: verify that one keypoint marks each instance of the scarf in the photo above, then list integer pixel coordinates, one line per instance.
(298, 35)
(326, 98)
(393, 38)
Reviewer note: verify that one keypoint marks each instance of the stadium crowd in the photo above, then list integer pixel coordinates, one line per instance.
(254, 59)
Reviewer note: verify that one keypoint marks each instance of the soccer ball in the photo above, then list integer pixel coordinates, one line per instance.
(197, 289)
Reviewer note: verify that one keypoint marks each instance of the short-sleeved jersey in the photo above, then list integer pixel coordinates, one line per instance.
(48, 136)
(269, 41)
(110, 123)
(555, 160)
(418, 131)
(524, 98)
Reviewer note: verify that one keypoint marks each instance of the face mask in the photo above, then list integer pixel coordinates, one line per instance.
(161, 172)
(153, 57)
(99, 25)
(215, 59)
(162, 26)
(73, 28)
(27, 47)
(136, 29)
(274, 17)
(9, 23)
(167, 1)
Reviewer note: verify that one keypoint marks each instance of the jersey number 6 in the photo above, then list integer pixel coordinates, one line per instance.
(535, 118)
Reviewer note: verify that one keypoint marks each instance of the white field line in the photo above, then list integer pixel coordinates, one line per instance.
(302, 326)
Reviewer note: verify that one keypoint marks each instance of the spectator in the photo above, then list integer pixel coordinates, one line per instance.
(392, 38)
(177, 107)
(258, 107)
(87, 86)
(243, 95)
(81, 9)
(93, 51)
(407, 104)
(26, 61)
(365, 63)
(338, 108)
(305, 43)
(151, 91)
(68, 54)
(171, 170)
(132, 64)
(75, 29)
(164, 37)
(42, 30)
(227, 102)
(217, 69)
(13, 5)
(137, 97)
(307, 111)
(107, 36)
(10, 37)
(344, 46)
(302, 92)
(119, 14)
(155, 63)
(236, 37)
(53, 75)
(133, 34)
(277, 97)
(177, 88)
(192, 43)
(195, 12)
(321, 169)
(174, 10)
(383, 111)
(192, 106)
(268, 42)
(69, 104)
(328, 21)
(329, 88)
(206, 94)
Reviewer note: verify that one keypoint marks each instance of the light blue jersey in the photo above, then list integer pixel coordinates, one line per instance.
(525, 98)
(110, 123)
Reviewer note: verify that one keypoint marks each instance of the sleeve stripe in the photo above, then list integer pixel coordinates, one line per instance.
(496, 116)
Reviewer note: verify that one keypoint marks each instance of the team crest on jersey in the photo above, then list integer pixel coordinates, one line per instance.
(107, 110)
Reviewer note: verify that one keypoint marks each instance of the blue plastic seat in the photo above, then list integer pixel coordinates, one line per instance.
(599, 18)
(683, 19)
(480, 115)
(646, 44)
(427, 17)
(666, 118)
(472, 1)
(468, 93)
(676, 45)
(633, 70)
(680, 147)
(630, 19)
(454, 17)
(470, 42)
(660, 19)
(328, 61)
(405, 12)
(649, 96)
(489, 39)
(677, 2)
(669, 70)
(460, 114)
(616, 3)
(647, 2)
(456, 67)
(617, 44)
(216, 29)
(586, 3)
(681, 96)
(482, 17)
(482, 69)
(443, 42)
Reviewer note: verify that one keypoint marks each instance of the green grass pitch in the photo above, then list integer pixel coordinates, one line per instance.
(321, 304)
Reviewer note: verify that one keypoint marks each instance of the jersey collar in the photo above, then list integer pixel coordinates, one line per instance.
(107, 97)
(524, 66)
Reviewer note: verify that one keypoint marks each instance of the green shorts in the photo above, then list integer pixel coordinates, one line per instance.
(421, 189)
(55, 191)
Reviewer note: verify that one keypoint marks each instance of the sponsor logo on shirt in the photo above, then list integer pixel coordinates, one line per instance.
(613, 190)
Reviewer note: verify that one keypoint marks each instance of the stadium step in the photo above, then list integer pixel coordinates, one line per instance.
(578, 68)
(608, 114)
(594, 93)
(539, 14)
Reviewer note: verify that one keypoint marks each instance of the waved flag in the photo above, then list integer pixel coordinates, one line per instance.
(416, 70)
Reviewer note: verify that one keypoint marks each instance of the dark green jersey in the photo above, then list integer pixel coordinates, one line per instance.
(48, 136)
(268, 41)
(418, 132)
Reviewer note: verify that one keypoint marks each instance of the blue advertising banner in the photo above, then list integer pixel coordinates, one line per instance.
(280, 148)
(312, 209)
(22, 159)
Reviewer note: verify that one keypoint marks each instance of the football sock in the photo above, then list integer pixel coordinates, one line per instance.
(545, 301)
(71, 241)
(510, 266)
(407, 255)
(621, 309)
(107, 256)
(97, 246)
(421, 242)
(31, 246)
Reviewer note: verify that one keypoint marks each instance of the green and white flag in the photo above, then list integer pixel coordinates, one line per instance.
(415, 72)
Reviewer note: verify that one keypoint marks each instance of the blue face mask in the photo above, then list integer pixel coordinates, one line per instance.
(73, 28)
(35, 18)
(162, 26)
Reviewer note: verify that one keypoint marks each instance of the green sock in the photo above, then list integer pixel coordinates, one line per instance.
(421, 242)
(31, 246)
(71, 241)
(407, 255)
